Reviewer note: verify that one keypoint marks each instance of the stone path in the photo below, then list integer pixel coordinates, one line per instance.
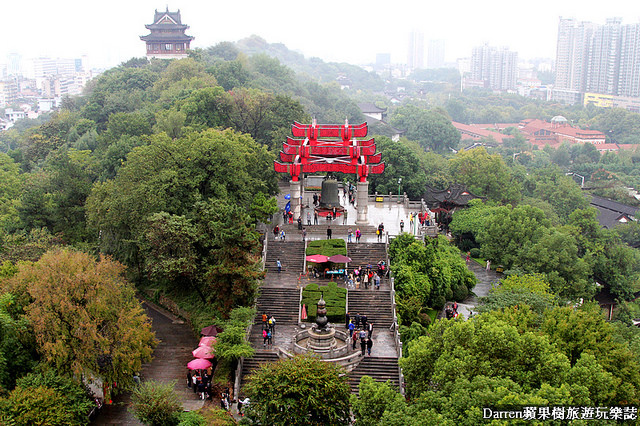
(486, 280)
(169, 364)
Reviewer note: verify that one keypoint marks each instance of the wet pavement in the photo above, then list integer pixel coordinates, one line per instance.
(169, 364)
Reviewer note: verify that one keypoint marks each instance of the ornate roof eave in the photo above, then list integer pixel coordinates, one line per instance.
(166, 27)
(455, 194)
(166, 38)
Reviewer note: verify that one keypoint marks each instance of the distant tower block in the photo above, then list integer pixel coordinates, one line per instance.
(167, 39)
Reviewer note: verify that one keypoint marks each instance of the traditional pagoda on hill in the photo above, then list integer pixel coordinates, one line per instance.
(167, 39)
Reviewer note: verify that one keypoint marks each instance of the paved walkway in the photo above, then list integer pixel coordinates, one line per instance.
(169, 364)
(486, 280)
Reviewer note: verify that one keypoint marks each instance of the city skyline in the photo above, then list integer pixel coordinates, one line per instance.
(337, 31)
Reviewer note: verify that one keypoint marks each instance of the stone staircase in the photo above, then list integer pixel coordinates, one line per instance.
(290, 253)
(378, 368)
(363, 254)
(282, 303)
(250, 364)
(375, 304)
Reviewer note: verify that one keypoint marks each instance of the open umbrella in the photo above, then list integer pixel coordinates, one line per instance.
(207, 341)
(198, 364)
(339, 258)
(303, 315)
(211, 330)
(317, 258)
(203, 352)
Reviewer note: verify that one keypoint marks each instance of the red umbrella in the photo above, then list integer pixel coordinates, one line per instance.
(207, 341)
(317, 258)
(339, 258)
(203, 352)
(199, 364)
(211, 330)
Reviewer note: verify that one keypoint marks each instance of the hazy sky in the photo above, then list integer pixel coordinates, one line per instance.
(349, 31)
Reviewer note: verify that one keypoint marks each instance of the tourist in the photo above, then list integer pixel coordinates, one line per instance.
(329, 232)
(264, 320)
(279, 265)
(283, 235)
(488, 268)
(370, 329)
(352, 327)
(401, 225)
(354, 340)
(189, 378)
(351, 281)
(304, 234)
(299, 221)
(315, 200)
(369, 345)
(349, 233)
(347, 320)
(315, 218)
(276, 231)
(272, 323)
(376, 280)
(363, 335)
(358, 234)
(365, 280)
(265, 337)
(380, 231)
(363, 320)
(269, 338)
(344, 217)
(308, 218)
(363, 345)
(356, 320)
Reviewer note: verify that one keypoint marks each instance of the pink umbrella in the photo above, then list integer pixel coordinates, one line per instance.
(203, 352)
(199, 364)
(317, 258)
(211, 330)
(339, 258)
(207, 341)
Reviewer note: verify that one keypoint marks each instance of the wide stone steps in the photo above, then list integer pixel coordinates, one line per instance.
(282, 303)
(251, 364)
(378, 368)
(375, 304)
(290, 253)
(363, 254)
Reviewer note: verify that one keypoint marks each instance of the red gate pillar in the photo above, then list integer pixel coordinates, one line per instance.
(296, 201)
(362, 200)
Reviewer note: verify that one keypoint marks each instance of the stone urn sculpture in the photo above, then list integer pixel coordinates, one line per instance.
(321, 314)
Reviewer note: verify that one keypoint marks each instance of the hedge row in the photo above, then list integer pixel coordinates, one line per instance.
(334, 296)
(327, 247)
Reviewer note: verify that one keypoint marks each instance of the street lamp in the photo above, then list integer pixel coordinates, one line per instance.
(399, 183)
(580, 176)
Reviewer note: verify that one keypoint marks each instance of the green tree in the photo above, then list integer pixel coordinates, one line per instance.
(401, 161)
(529, 289)
(46, 399)
(10, 184)
(85, 317)
(156, 404)
(299, 391)
(373, 400)
(432, 129)
(17, 343)
(485, 174)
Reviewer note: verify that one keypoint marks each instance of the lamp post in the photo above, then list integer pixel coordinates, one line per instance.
(399, 183)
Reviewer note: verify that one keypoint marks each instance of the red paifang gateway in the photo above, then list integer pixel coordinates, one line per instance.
(329, 148)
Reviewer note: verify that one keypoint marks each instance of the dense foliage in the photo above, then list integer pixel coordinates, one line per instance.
(299, 391)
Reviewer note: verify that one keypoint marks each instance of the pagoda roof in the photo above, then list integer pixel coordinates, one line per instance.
(456, 194)
(166, 21)
(164, 37)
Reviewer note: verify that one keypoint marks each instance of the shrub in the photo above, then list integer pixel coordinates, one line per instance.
(327, 247)
(475, 252)
(460, 293)
(334, 296)
(156, 403)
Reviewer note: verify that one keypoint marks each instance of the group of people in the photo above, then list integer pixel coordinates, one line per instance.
(367, 277)
(350, 191)
(360, 330)
(350, 235)
(279, 233)
(200, 381)
(268, 329)
(422, 217)
(451, 311)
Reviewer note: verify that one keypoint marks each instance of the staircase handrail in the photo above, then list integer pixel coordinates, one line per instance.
(396, 331)
(264, 250)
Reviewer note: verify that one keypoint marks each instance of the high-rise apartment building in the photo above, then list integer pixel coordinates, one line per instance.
(601, 59)
(497, 67)
(415, 55)
(435, 54)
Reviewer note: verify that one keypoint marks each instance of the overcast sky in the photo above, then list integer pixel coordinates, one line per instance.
(346, 31)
